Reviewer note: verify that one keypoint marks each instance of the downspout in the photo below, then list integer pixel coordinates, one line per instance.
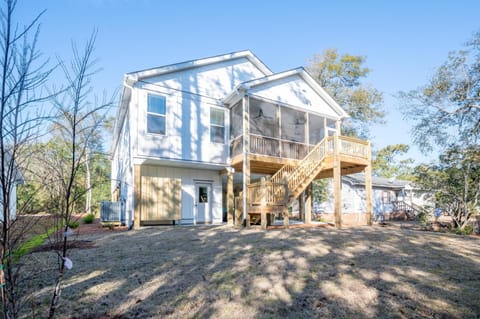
(130, 193)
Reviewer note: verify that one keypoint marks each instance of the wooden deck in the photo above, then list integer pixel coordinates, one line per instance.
(353, 159)
(290, 177)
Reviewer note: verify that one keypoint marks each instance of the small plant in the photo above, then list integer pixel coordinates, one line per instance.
(89, 219)
(422, 218)
(33, 242)
(467, 230)
(73, 224)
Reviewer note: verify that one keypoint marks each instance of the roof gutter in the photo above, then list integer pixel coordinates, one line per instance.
(128, 83)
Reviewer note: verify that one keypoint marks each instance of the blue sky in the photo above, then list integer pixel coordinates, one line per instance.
(403, 40)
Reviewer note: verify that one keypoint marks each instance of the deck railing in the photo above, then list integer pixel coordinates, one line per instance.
(295, 176)
(294, 150)
(264, 145)
(266, 193)
(353, 147)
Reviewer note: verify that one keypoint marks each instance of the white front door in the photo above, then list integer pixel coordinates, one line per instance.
(203, 203)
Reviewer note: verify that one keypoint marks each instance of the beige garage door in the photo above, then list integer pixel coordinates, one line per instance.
(161, 198)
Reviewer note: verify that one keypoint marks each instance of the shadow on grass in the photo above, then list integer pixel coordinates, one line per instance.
(221, 272)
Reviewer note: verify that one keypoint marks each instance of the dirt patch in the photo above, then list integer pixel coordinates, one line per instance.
(27, 226)
(95, 227)
(223, 272)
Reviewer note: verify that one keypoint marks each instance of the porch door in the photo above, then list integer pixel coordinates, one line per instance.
(203, 203)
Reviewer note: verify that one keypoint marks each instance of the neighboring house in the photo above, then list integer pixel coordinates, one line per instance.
(392, 199)
(186, 133)
(18, 179)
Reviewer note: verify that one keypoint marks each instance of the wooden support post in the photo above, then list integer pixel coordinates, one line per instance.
(301, 206)
(278, 114)
(230, 208)
(308, 204)
(137, 197)
(239, 212)
(368, 187)
(286, 220)
(337, 183)
(246, 159)
(247, 201)
(263, 204)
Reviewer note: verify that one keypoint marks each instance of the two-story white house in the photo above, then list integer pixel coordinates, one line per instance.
(192, 136)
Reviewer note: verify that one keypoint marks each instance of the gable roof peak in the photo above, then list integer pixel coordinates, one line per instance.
(298, 71)
(138, 75)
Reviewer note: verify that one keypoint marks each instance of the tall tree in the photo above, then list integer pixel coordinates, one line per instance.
(446, 110)
(342, 77)
(446, 117)
(78, 121)
(22, 73)
(387, 164)
(455, 182)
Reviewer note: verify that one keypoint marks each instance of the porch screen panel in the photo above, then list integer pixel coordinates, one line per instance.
(316, 129)
(293, 125)
(236, 120)
(331, 123)
(263, 118)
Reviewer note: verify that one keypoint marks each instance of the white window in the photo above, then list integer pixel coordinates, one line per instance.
(386, 197)
(156, 110)
(217, 125)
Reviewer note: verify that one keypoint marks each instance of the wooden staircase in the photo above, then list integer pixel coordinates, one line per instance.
(411, 210)
(273, 195)
(280, 191)
(297, 178)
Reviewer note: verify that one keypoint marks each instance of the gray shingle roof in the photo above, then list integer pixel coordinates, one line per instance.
(359, 179)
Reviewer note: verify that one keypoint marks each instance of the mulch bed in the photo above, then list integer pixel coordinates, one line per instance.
(96, 227)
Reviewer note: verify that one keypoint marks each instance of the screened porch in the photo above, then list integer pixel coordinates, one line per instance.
(277, 130)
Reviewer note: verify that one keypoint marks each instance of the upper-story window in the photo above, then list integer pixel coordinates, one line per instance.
(217, 125)
(156, 114)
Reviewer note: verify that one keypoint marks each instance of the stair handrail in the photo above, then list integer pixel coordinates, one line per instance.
(308, 165)
(416, 209)
(288, 169)
(294, 175)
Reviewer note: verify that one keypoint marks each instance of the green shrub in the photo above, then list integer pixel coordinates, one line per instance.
(73, 224)
(422, 217)
(89, 219)
(467, 230)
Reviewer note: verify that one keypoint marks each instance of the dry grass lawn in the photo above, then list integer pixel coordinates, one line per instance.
(222, 272)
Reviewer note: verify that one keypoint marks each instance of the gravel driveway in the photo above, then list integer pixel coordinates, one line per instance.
(223, 272)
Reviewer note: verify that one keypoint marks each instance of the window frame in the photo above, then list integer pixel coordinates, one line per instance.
(158, 115)
(386, 197)
(216, 125)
